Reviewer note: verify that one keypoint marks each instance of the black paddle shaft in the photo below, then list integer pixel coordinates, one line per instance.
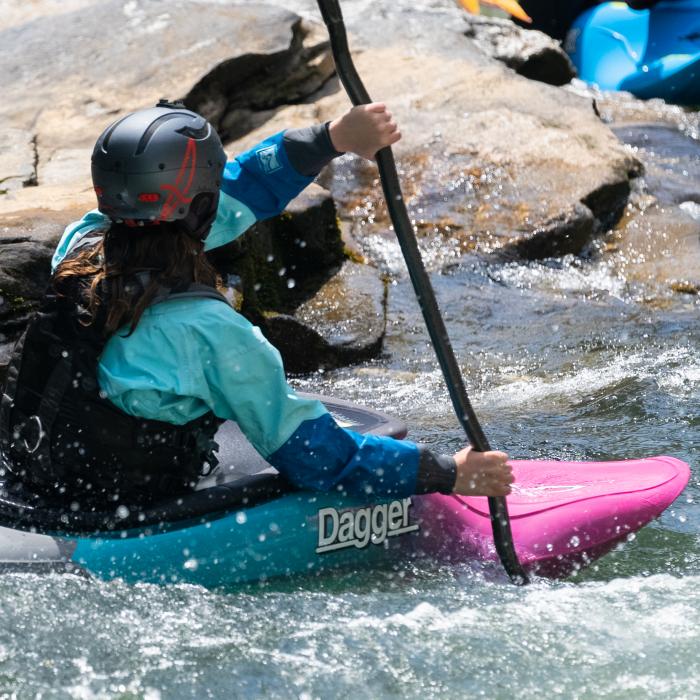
(500, 521)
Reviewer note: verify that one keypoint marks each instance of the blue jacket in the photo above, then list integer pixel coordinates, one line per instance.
(189, 356)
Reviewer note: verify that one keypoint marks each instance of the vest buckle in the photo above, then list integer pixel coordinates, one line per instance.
(33, 430)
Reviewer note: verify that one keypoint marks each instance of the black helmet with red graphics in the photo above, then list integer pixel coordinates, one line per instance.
(159, 164)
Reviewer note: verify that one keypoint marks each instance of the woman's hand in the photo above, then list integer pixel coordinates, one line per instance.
(364, 130)
(482, 473)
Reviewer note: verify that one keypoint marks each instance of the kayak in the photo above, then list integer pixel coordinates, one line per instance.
(650, 53)
(563, 515)
(244, 523)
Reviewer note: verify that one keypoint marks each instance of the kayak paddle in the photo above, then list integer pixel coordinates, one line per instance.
(500, 521)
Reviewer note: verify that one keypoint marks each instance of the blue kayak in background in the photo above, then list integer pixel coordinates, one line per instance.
(650, 53)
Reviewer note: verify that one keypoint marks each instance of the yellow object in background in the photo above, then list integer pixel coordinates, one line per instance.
(512, 7)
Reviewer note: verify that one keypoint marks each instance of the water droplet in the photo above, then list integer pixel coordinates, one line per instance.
(241, 517)
(291, 283)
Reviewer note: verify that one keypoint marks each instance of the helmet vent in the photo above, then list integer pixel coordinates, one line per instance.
(196, 134)
(110, 131)
(153, 126)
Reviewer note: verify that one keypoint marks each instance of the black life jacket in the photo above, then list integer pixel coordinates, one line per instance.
(67, 442)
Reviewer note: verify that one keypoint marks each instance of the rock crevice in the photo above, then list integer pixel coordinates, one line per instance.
(232, 94)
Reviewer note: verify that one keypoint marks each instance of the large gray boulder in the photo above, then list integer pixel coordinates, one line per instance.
(66, 78)
(499, 157)
(489, 159)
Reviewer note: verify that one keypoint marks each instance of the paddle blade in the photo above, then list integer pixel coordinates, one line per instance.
(510, 6)
(471, 6)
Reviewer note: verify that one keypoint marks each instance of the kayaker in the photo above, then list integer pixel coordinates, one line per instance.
(115, 393)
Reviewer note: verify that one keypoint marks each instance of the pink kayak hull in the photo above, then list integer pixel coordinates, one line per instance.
(563, 514)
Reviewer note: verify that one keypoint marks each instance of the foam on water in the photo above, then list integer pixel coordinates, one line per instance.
(430, 633)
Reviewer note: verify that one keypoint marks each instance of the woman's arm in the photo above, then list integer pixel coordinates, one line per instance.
(243, 380)
(259, 183)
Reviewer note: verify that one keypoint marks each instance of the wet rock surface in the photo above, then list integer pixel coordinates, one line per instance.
(283, 261)
(343, 323)
(486, 152)
(657, 243)
(318, 308)
(673, 160)
(498, 156)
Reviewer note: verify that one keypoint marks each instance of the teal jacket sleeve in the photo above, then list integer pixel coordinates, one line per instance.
(257, 185)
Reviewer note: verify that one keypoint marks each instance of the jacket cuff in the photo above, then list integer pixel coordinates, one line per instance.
(436, 473)
(310, 149)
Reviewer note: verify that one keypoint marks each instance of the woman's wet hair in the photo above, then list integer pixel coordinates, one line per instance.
(122, 274)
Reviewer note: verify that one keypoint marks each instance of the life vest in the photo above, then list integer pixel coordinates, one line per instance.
(62, 438)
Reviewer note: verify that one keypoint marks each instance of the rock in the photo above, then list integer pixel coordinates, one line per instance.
(343, 323)
(656, 248)
(16, 12)
(492, 153)
(65, 167)
(283, 261)
(672, 170)
(316, 308)
(657, 243)
(17, 159)
(497, 155)
(530, 53)
(623, 109)
(252, 59)
(24, 270)
(348, 311)
(567, 233)
(24, 273)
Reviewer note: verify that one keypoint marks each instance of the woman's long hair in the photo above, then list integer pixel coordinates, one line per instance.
(107, 273)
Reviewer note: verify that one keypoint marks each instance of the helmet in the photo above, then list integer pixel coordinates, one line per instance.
(159, 164)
